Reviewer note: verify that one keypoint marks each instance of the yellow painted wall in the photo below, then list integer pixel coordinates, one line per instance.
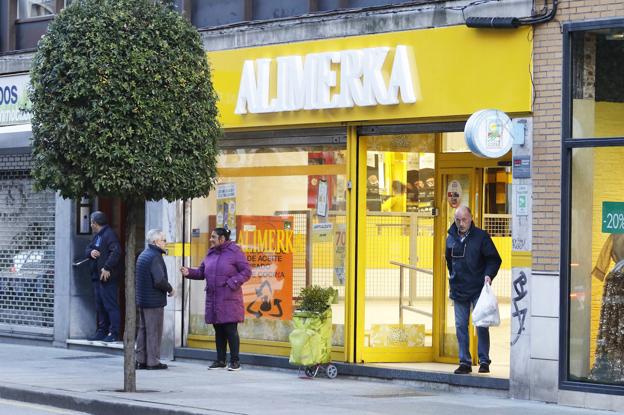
(457, 71)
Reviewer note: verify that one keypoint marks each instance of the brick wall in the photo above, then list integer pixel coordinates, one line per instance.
(547, 60)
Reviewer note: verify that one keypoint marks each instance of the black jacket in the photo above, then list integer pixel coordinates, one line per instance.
(468, 262)
(152, 284)
(110, 257)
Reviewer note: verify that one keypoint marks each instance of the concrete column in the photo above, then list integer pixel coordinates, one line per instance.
(168, 216)
(74, 303)
(521, 208)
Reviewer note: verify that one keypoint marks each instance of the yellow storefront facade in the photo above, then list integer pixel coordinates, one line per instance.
(342, 164)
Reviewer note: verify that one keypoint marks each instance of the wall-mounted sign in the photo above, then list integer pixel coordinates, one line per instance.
(226, 207)
(522, 200)
(14, 100)
(258, 90)
(521, 167)
(306, 82)
(613, 217)
(488, 133)
(322, 232)
(268, 243)
(340, 245)
(321, 199)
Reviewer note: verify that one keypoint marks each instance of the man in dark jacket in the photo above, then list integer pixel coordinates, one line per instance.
(106, 268)
(472, 261)
(152, 287)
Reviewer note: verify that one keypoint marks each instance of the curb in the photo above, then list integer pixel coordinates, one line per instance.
(481, 383)
(97, 406)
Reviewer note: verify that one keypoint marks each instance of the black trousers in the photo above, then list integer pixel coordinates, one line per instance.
(225, 334)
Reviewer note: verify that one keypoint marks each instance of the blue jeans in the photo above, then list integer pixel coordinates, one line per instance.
(462, 314)
(107, 307)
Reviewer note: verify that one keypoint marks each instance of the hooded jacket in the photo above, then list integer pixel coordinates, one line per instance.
(225, 269)
(469, 261)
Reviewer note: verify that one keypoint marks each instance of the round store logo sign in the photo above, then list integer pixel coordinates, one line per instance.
(488, 133)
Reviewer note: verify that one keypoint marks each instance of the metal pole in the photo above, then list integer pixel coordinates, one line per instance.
(413, 256)
(401, 295)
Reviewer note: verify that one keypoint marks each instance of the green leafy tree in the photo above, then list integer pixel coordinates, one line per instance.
(123, 106)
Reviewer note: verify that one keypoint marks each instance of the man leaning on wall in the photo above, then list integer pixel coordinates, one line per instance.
(104, 253)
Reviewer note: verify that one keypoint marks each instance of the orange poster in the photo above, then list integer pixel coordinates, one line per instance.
(268, 244)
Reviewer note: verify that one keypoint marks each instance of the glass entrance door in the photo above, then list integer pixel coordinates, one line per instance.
(459, 186)
(395, 248)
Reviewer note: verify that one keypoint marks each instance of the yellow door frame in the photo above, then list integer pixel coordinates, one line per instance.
(445, 163)
(364, 353)
(440, 282)
(353, 207)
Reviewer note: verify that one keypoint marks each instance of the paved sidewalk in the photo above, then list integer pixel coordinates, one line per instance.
(89, 382)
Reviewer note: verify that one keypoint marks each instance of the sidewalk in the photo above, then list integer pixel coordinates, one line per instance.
(89, 382)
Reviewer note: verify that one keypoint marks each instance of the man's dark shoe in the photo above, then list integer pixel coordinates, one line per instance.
(234, 366)
(463, 370)
(217, 365)
(98, 336)
(157, 367)
(140, 366)
(484, 368)
(111, 338)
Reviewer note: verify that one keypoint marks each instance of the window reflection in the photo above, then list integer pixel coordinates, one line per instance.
(286, 209)
(598, 86)
(35, 8)
(597, 266)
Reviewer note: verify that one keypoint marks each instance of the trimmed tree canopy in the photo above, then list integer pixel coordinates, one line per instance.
(123, 104)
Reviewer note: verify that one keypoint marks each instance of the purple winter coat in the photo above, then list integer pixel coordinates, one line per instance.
(225, 269)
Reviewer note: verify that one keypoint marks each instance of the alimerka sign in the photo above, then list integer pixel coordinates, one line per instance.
(305, 83)
(268, 243)
(432, 74)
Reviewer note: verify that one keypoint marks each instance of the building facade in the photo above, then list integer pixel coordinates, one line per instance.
(342, 164)
(577, 115)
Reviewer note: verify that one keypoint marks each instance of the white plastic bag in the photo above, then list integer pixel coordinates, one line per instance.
(485, 313)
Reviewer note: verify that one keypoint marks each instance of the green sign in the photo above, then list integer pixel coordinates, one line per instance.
(14, 100)
(613, 217)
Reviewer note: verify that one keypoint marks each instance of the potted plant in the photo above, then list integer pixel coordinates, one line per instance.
(316, 299)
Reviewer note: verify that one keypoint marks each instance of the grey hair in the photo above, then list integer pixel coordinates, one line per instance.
(154, 235)
(99, 218)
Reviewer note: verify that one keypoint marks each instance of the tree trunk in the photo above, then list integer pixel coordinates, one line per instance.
(130, 330)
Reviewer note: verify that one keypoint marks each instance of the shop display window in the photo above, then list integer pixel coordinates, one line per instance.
(286, 209)
(593, 225)
(597, 266)
(598, 84)
(35, 8)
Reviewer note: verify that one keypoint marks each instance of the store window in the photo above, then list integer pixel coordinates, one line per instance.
(27, 9)
(593, 261)
(286, 209)
(598, 84)
(454, 143)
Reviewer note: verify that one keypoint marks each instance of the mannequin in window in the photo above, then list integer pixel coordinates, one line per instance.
(609, 363)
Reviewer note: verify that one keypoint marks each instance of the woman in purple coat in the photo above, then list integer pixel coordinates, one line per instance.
(225, 269)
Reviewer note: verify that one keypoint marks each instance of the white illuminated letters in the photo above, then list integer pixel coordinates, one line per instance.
(306, 83)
